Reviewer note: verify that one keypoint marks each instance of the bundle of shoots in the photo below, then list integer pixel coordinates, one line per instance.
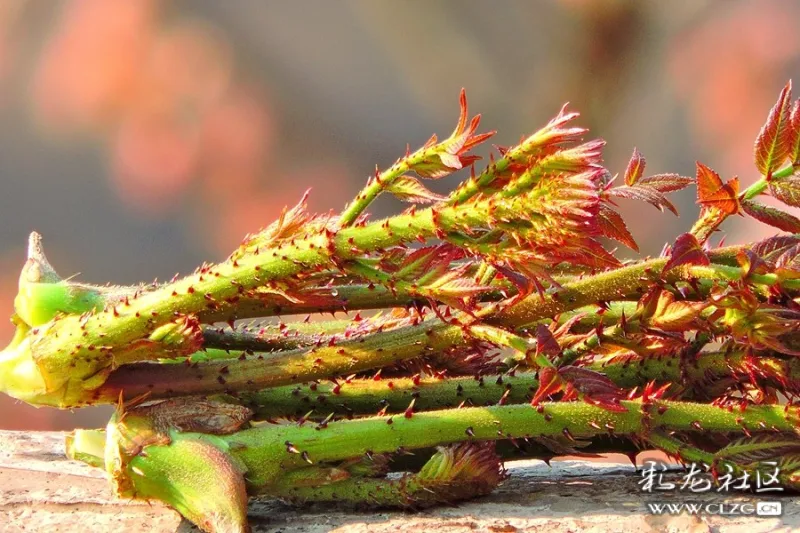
(489, 323)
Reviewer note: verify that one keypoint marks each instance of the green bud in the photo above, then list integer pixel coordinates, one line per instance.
(43, 293)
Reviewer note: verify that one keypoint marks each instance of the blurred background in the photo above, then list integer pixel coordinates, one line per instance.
(141, 137)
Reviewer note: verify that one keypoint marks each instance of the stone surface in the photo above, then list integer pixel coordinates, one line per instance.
(40, 490)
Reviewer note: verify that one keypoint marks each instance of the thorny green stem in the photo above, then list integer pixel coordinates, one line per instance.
(43, 294)
(271, 337)
(341, 297)
(377, 184)
(370, 351)
(367, 396)
(147, 459)
(90, 344)
(263, 449)
(722, 272)
(88, 445)
(697, 372)
(528, 149)
(259, 371)
(433, 160)
(224, 343)
(612, 285)
(761, 184)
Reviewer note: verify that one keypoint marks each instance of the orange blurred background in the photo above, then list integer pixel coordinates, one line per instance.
(141, 137)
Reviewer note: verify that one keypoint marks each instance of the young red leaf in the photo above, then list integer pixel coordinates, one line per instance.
(772, 144)
(553, 134)
(565, 328)
(772, 248)
(725, 199)
(708, 181)
(635, 168)
(583, 157)
(410, 189)
(596, 388)
(463, 115)
(751, 263)
(686, 251)
(667, 182)
(418, 262)
(644, 193)
(523, 266)
(794, 133)
(611, 225)
(589, 381)
(524, 284)
(772, 216)
(455, 284)
(451, 154)
(451, 286)
(592, 254)
(550, 382)
(670, 315)
(438, 267)
(789, 260)
(712, 193)
(546, 343)
(290, 222)
(786, 190)
(647, 304)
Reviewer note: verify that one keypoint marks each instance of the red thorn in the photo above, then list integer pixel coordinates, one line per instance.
(409, 412)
